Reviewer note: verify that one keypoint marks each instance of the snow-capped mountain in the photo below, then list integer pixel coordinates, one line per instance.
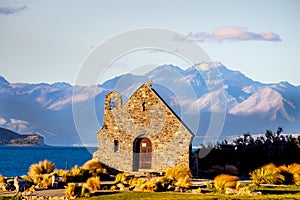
(194, 94)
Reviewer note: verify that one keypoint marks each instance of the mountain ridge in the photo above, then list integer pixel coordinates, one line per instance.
(46, 109)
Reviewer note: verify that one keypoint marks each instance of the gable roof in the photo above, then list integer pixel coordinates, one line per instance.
(161, 99)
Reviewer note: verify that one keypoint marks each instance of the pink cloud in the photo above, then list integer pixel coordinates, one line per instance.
(11, 10)
(230, 34)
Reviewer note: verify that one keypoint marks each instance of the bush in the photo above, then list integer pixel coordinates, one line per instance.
(177, 172)
(93, 183)
(231, 169)
(268, 174)
(224, 181)
(291, 173)
(43, 167)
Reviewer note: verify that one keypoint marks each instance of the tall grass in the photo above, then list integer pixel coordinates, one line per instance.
(291, 173)
(43, 167)
(267, 174)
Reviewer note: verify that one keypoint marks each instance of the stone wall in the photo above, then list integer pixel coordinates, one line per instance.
(143, 115)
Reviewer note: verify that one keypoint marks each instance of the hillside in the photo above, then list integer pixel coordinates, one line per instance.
(204, 96)
(8, 137)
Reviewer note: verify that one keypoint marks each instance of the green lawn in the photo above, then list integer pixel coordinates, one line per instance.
(290, 192)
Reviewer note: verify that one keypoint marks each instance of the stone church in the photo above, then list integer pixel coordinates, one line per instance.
(143, 134)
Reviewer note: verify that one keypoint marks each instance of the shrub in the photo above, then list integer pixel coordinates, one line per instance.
(120, 178)
(93, 183)
(231, 169)
(177, 172)
(43, 167)
(224, 181)
(217, 169)
(291, 173)
(267, 174)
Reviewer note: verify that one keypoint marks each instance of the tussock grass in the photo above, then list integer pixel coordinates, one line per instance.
(224, 181)
(43, 167)
(267, 174)
(93, 183)
(178, 172)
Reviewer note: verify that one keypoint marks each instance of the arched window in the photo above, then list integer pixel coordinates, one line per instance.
(144, 106)
(113, 104)
(116, 146)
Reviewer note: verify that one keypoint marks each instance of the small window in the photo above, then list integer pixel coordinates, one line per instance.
(116, 146)
(113, 104)
(144, 106)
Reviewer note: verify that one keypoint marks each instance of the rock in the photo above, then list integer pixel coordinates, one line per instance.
(120, 186)
(229, 191)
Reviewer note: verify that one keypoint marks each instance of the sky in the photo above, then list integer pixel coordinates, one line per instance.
(48, 41)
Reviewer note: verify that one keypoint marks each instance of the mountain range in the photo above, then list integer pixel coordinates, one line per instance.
(204, 96)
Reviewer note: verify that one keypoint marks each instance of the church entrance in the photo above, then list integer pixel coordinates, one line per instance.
(142, 154)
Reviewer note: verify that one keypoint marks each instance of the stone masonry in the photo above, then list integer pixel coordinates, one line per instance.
(143, 134)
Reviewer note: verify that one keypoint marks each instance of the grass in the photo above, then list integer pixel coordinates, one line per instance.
(271, 192)
(274, 192)
(185, 196)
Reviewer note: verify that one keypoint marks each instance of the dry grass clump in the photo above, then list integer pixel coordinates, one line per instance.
(120, 178)
(94, 167)
(62, 173)
(291, 173)
(148, 186)
(224, 181)
(178, 172)
(1, 179)
(184, 182)
(43, 167)
(267, 174)
(74, 190)
(75, 171)
(93, 183)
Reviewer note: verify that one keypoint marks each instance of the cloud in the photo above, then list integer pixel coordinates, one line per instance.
(230, 34)
(7, 10)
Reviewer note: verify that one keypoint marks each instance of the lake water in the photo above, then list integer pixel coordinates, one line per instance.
(16, 160)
